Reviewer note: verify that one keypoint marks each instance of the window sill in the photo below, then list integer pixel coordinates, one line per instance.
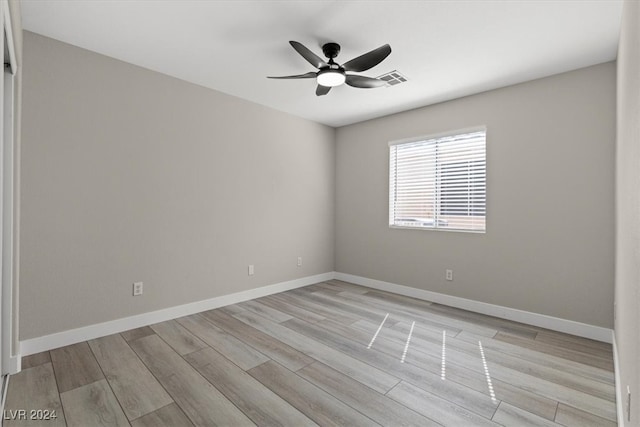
(455, 230)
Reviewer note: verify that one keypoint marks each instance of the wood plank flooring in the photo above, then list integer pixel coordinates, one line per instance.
(308, 357)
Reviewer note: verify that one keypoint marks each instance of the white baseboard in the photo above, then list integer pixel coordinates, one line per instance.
(12, 364)
(618, 384)
(541, 320)
(73, 336)
(60, 339)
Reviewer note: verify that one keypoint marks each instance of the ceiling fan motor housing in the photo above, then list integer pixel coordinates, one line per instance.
(331, 50)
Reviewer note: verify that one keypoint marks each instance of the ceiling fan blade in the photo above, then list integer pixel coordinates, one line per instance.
(322, 90)
(368, 60)
(313, 59)
(364, 82)
(309, 75)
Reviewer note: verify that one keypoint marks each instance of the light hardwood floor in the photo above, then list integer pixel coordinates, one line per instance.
(309, 357)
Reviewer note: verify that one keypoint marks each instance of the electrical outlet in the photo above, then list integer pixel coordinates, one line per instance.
(137, 289)
(251, 270)
(449, 275)
(299, 261)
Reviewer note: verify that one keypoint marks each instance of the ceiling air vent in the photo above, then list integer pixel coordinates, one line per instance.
(393, 78)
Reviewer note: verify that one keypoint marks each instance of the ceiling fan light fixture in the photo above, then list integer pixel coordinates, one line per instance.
(331, 74)
(331, 78)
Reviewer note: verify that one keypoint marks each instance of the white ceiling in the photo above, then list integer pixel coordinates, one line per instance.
(447, 49)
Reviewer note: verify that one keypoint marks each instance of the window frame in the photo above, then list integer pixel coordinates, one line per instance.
(438, 207)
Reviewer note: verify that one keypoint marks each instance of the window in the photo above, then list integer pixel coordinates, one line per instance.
(439, 182)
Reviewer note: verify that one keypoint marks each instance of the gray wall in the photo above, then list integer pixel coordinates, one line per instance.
(550, 179)
(130, 175)
(627, 271)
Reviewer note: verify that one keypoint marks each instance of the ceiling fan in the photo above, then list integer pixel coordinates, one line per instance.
(331, 74)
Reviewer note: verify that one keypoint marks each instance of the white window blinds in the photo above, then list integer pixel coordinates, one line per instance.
(439, 182)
